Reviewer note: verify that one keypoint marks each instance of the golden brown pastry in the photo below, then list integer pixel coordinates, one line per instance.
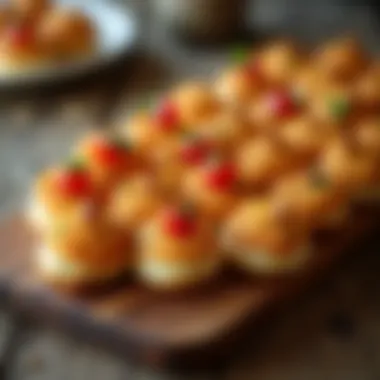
(109, 159)
(66, 34)
(341, 59)
(260, 161)
(58, 193)
(310, 198)
(212, 188)
(133, 201)
(84, 249)
(177, 249)
(260, 241)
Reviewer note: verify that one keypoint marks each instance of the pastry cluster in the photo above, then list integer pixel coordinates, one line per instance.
(35, 33)
(243, 170)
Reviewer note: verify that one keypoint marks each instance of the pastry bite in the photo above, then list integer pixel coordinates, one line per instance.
(173, 163)
(84, 249)
(279, 61)
(341, 60)
(271, 110)
(30, 10)
(310, 198)
(305, 136)
(20, 48)
(262, 241)
(347, 166)
(57, 193)
(133, 201)
(260, 161)
(366, 134)
(109, 159)
(67, 33)
(367, 88)
(212, 187)
(149, 130)
(226, 130)
(177, 249)
(308, 82)
(194, 102)
(334, 106)
(240, 84)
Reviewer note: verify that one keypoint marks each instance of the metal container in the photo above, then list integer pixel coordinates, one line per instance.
(207, 20)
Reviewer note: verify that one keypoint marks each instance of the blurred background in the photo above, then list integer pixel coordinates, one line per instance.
(338, 330)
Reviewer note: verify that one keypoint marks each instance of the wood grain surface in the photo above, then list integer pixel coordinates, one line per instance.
(159, 328)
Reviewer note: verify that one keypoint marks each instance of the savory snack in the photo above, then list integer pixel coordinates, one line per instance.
(272, 245)
(305, 136)
(272, 109)
(341, 60)
(194, 102)
(367, 88)
(66, 33)
(58, 193)
(278, 62)
(177, 249)
(133, 201)
(84, 249)
(310, 198)
(36, 34)
(109, 159)
(20, 48)
(212, 187)
(171, 164)
(282, 145)
(149, 130)
(261, 160)
(347, 166)
(240, 85)
(30, 10)
(225, 130)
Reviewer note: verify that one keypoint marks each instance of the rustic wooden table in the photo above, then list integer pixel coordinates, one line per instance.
(334, 333)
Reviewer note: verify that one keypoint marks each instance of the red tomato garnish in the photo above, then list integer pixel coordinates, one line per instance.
(253, 71)
(282, 104)
(221, 176)
(178, 224)
(109, 153)
(194, 152)
(20, 35)
(167, 116)
(75, 183)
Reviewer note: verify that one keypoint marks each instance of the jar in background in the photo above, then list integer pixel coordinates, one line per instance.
(203, 20)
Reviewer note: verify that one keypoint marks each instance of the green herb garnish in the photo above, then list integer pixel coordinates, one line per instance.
(76, 164)
(240, 54)
(339, 107)
(318, 179)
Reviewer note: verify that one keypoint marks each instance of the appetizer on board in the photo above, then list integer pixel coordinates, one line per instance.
(341, 60)
(84, 249)
(194, 101)
(108, 158)
(134, 201)
(309, 197)
(58, 193)
(177, 249)
(261, 160)
(241, 84)
(271, 245)
(243, 170)
(212, 187)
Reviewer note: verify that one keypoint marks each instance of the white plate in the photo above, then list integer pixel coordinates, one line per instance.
(116, 29)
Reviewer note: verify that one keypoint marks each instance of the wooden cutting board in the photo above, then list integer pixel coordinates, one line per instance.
(164, 329)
